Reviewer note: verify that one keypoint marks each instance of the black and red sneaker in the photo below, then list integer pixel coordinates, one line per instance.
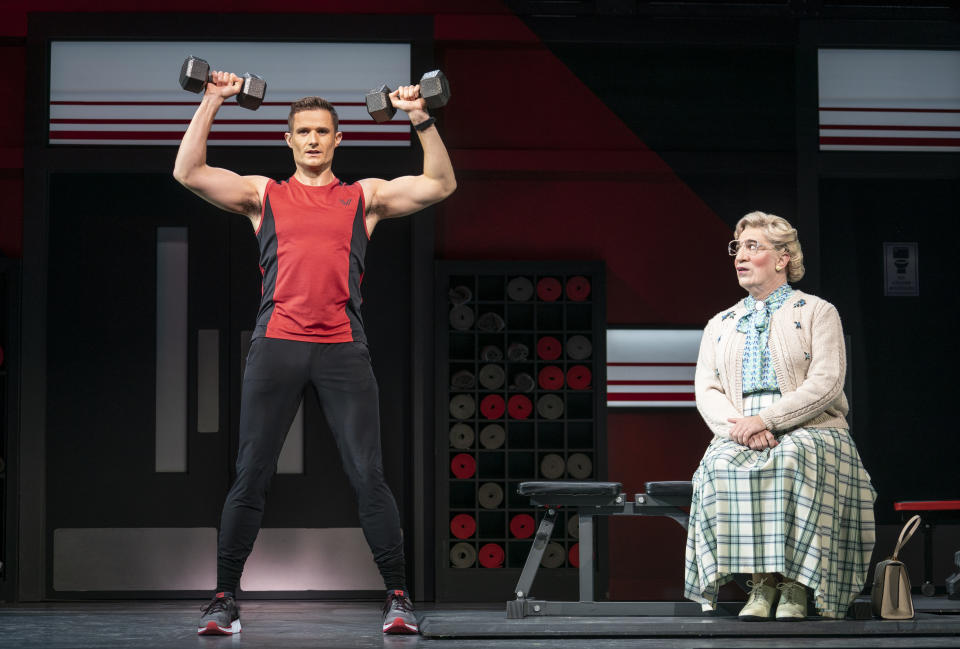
(398, 614)
(220, 617)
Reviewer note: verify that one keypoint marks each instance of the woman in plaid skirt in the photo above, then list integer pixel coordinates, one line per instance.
(780, 494)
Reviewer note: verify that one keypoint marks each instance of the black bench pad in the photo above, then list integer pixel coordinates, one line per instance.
(670, 488)
(569, 488)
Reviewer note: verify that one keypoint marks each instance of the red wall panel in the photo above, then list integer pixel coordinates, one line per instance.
(13, 62)
(648, 551)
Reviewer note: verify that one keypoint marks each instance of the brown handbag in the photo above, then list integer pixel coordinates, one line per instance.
(890, 596)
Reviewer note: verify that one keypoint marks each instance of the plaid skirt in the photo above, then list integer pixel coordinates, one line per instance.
(803, 509)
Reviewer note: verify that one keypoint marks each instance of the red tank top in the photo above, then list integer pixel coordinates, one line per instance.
(312, 245)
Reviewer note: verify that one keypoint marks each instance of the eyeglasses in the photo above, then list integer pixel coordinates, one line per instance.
(751, 245)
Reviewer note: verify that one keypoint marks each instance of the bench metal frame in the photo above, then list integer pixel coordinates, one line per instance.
(588, 507)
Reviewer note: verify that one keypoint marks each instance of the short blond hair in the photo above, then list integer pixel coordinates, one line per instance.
(781, 234)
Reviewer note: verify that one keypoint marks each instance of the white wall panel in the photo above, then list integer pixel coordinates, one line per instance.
(128, 93)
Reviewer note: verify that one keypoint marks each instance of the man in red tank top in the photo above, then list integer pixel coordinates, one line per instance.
(313, 231)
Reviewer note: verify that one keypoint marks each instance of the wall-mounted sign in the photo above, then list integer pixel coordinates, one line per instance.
(901, 271)
(889, 100)
(651, 368)
(123, 93)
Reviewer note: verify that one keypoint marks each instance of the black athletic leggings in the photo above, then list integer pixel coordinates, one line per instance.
(276, 374)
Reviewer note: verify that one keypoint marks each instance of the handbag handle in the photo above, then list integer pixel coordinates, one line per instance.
(909, 528)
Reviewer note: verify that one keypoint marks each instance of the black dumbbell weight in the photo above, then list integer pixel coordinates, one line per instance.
(195, 74)
(434, 88)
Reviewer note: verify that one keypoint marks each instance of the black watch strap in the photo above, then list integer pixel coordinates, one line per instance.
(425, 124)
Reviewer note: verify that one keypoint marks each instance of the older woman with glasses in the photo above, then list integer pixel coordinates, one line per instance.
(780, 494)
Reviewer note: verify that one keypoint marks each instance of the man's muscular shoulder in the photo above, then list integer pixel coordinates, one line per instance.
(252, 204)
(369, 187)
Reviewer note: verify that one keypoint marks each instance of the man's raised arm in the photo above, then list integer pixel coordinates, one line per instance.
(407, 194)
(225, 189)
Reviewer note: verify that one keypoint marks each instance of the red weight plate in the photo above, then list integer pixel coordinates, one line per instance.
(549, 289)
(549, 348)
(463, 465)
(492, 406)
(578, 288)
(550, 378)
(491, 556)
(579, 376)
(519, 406)
(463, 526)
(574, 555)
(522, 525)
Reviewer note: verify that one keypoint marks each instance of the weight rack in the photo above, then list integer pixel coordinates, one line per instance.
(474, 465)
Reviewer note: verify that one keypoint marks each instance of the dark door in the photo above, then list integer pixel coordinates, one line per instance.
(152, 295)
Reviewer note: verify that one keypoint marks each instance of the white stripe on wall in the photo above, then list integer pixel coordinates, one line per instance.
(890, 88)
(171, 351)
(208, 381)
(138, 558)
(651, 362)
(334, 558)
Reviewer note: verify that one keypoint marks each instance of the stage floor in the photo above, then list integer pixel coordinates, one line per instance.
(322, 625)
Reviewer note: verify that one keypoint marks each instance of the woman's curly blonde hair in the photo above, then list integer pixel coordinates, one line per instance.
(781, 234)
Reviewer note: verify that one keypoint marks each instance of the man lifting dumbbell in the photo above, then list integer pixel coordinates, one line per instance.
(195, 75)
(309, 328)
(434, 89)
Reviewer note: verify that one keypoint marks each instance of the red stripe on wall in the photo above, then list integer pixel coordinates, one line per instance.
(650, 396)
(890, 110)
(216, 135)
(181, 103)
(895, 141)
(649, 382)
(263, 122)
(651, 364)
(875, 127)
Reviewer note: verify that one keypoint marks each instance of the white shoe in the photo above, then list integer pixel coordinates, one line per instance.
(760, 602)
(793, 602)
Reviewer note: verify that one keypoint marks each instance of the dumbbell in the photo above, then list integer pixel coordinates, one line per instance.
(195, 73)
(434, 88)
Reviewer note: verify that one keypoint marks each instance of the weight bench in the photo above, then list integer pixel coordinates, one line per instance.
(591, 499)
(933, 512)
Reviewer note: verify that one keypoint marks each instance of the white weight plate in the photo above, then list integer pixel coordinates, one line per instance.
(551, 466)
(490, 495)
(579, 466)
(520, 289)
(461, 436)
(492, 376)
(462, 406)
(461, 317)
(550, 406)
(462, 555)
(492, 436)
(553, 555)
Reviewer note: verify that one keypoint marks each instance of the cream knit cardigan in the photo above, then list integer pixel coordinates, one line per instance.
(809, 358)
